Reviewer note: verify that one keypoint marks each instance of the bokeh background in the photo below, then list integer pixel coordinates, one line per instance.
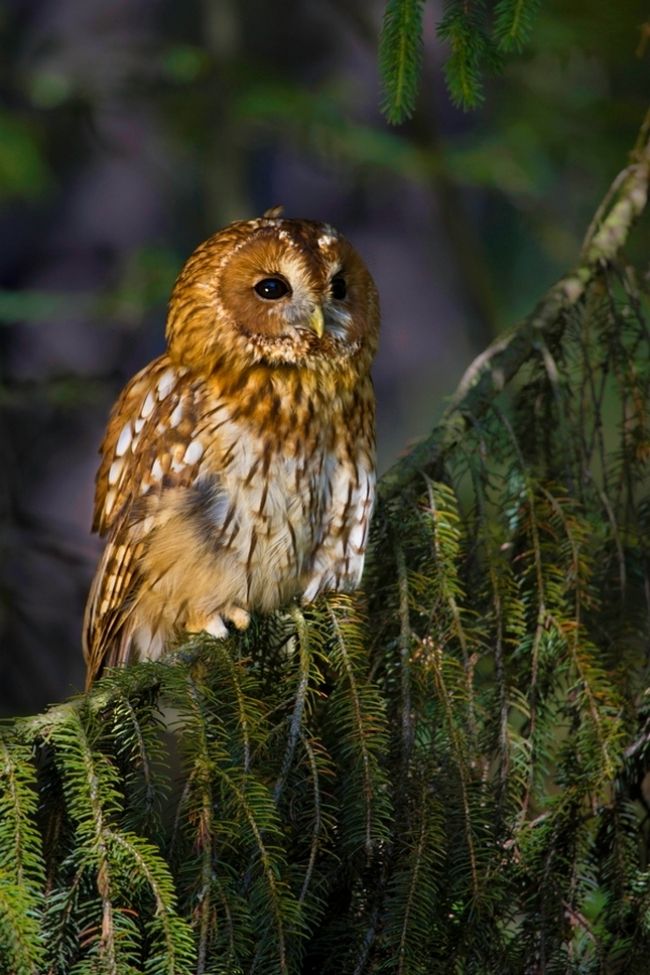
(130, 131)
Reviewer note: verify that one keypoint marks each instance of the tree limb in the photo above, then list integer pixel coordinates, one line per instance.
(494, 368)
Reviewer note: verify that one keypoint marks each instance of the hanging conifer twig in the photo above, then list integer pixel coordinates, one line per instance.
(476, 48)
(400, 57)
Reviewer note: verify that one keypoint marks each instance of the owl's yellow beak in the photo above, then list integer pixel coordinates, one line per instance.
(316, 321)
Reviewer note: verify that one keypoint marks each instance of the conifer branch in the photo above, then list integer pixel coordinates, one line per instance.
(400, 57)
(295, 725)
(317, 825)
(415, 882)
(513, 21)
(406, 640)
(445, 698)
(497, 366)
(360, 731)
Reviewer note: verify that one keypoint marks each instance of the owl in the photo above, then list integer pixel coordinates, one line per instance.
(238, 468)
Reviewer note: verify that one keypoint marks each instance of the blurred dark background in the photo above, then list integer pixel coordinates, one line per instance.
(131, 131)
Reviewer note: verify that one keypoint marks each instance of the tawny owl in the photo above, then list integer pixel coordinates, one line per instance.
(238, 469)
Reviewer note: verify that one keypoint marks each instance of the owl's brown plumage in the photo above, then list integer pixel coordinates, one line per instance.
(238, 468)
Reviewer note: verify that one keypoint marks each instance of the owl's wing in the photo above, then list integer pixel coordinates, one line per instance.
(151, 446)
(149, 442)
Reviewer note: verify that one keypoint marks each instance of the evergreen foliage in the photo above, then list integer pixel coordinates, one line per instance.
(476, 47)
(400, 57)
(513, 23)
(448, 774)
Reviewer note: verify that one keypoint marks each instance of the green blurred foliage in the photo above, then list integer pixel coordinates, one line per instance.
(24, 172)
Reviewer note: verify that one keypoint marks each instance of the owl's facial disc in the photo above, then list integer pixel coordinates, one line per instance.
(279, 292)
(275, 292)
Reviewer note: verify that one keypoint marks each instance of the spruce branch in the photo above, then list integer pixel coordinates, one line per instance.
(400, 57)
(513, 22)
(359, 717)
(304, 656)
(497, 366)
(406, 649)
(470, 51)
(21, 944)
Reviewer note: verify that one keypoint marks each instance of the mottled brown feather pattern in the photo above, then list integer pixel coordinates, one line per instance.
(237, 470)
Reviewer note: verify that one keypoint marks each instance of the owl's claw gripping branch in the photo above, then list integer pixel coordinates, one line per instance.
(215, 624)
(238, 469)
(212, 625)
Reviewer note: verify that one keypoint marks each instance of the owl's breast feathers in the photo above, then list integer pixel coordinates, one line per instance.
(222, 494)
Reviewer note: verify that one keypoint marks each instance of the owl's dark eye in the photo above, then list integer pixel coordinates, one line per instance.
(339, 289)
(272, 288)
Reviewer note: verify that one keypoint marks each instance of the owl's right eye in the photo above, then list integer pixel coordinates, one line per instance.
(272, 288)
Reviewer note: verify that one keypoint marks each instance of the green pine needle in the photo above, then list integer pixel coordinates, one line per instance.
(400, 58)
(513, 23)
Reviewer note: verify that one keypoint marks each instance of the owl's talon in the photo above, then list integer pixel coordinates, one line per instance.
(213, 626)
(239, 618)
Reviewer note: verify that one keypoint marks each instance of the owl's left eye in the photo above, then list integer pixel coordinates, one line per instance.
(272, 288)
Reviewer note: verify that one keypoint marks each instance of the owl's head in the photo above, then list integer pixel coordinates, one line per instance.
(275, 292)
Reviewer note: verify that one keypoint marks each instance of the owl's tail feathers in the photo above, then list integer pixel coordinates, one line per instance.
(108, 645)
(114, 647)
(108, 625)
